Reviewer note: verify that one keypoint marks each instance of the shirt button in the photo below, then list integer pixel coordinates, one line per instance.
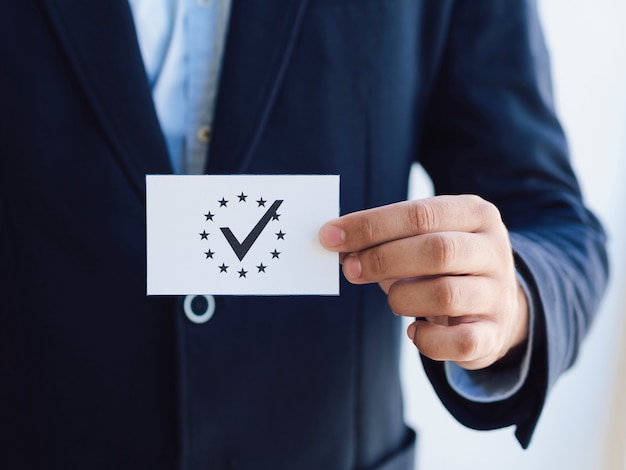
(199, 308)
(204, 133)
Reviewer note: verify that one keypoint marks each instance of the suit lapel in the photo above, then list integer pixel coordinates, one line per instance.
(100, 42)
(260, 39)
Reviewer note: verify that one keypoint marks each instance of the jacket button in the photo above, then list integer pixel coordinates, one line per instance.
(199, 308)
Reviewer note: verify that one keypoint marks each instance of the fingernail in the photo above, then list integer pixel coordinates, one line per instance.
(410, 331)
(352, 267)
(331, 236)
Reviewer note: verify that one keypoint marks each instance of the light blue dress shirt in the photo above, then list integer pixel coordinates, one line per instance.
(182, 44)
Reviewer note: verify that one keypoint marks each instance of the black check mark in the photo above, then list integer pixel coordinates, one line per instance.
(241, 249)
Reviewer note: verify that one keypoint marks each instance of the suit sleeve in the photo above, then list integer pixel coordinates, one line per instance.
(492, 131)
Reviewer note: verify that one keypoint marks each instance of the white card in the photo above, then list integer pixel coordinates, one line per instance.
(240, 234)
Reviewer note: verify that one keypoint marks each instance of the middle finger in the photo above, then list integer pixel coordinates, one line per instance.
(450, 253)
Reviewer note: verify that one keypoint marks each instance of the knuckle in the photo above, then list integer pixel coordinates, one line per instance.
(422, 217)
(448, 295)
(377, 262)
(485, 211)
(444, 250)
(368, 231)
(468, 344)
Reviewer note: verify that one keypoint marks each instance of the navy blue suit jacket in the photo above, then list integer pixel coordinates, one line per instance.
(97, 375)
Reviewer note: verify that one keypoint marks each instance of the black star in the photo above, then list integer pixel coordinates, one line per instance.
(204, 235)
(223, 202)
(242, 273)
(261, 268)
(242, 197)
(209, 254)
(275, 253)
(261, 202)
(275, 216)
(223, 268)
(280, 235)
(209, 216)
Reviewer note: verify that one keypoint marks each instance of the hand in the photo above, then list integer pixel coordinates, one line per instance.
(446, 261)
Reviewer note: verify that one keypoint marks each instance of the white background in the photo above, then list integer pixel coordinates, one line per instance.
(583, 425)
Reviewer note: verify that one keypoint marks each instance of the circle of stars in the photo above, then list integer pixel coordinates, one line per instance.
(223, 268)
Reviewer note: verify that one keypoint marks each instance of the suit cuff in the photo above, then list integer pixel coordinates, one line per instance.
(494, 384)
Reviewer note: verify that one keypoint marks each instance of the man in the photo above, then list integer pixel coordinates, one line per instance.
(503, 270)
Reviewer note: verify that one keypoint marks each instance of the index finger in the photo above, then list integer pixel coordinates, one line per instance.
(364, 229)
